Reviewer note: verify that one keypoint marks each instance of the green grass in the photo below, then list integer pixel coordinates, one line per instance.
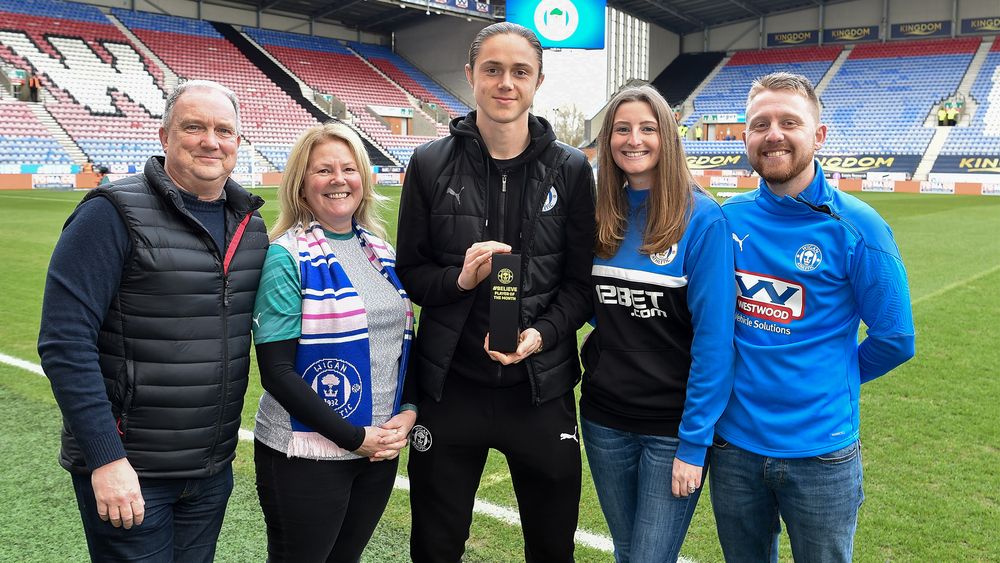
(929, 429)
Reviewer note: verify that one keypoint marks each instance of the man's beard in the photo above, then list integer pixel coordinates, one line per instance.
(781, 174)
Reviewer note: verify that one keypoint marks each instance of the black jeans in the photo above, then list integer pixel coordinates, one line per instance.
(543, 452)
(320, 510)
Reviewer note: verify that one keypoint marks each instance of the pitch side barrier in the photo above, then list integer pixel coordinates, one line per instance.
(55, 180)
(734, 179)
(864, 173)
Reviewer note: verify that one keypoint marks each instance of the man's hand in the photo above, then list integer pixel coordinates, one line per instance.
(398, 428)
(478, 261)
(116, 489)
(686, 479)
(528, 342)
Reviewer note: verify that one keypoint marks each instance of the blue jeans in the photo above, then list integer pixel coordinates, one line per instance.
(182, 520)
(817, 497)
(632, 473)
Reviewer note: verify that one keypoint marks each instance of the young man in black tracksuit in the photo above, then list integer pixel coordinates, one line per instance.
(500, 183)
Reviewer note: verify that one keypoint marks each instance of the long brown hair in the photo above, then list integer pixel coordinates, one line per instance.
(292, 208)
(670, 197)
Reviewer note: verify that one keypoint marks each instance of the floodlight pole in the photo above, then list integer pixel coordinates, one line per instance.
(822, 16)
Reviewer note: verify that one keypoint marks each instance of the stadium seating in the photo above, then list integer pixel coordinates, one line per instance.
(881, 97)
(104, 93)
(24, 140)
(193, 49)
(684, 74)
(982, 136)
(727, 91)
(410, 78)
(328, 66)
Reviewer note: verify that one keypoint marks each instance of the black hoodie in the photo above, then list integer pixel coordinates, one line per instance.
(507, 181)
(452, 198)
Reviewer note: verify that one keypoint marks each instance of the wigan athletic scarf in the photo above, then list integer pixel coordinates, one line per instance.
(333, 354)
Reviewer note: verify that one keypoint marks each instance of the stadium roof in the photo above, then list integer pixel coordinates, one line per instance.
(687, 16)
(385, 16)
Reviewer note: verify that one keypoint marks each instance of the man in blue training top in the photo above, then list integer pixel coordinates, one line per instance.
(811, 263)
(145, 337)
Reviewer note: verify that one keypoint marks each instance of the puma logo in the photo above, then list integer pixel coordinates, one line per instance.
(565, 436)
(256, 319)
(739, 241)
(458, 194)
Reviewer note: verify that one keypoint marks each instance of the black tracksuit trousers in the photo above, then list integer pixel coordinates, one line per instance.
(541, 444)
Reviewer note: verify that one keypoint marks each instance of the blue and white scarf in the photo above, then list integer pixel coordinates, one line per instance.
(333, 354)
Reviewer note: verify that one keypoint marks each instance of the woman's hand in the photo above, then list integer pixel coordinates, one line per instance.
(686, 479)
(373, 441)
(397, 430)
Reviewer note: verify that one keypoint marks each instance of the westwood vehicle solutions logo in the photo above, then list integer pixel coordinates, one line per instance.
(769, 298)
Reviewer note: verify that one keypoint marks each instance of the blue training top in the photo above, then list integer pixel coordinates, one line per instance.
(808, 270)
(660, 361)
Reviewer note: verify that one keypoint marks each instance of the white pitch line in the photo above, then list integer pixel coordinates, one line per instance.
(502, 513)
(955, 285)
(18, 363)
(49, 199)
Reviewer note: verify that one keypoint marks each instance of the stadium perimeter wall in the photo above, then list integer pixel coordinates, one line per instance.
(87, 180)
(706, 178)
(716, 179)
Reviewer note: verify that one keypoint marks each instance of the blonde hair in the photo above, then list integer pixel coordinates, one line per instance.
(292, 208)
(788, 82)
(670, 197)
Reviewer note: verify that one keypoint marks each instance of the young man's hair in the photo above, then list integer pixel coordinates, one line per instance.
(788, 82)
(292, 208)
(669, 204)
(501, 28)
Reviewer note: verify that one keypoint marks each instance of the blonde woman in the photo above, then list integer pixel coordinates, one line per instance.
(332, 328)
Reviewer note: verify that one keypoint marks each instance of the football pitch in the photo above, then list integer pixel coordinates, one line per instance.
(930, 429)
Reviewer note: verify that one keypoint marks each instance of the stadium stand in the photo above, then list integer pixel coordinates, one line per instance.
(109, 97)
(685, 73)
(193, 49)
(727, 92)
(329, 67)
(982, 136)
(24, 140)
(290, 85)
(881, 97)
(101, 91)
(410, 78)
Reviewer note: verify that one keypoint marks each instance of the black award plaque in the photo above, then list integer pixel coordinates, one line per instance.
(505, 302)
